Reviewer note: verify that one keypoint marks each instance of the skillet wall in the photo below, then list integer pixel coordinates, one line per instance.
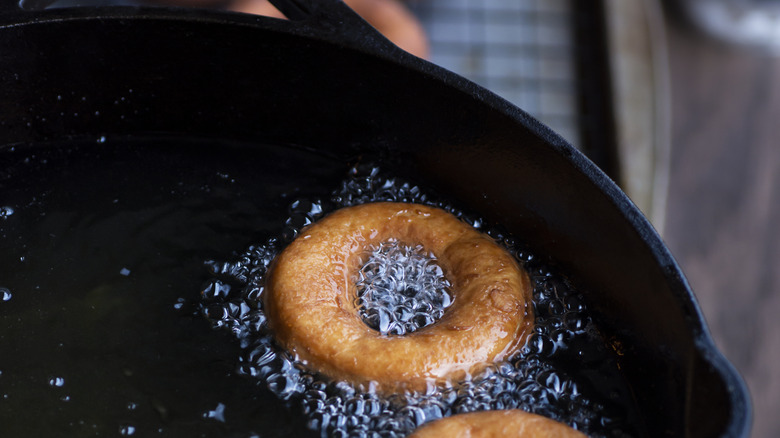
(124, 75)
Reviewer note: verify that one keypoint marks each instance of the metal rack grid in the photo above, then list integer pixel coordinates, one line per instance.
(523, 50)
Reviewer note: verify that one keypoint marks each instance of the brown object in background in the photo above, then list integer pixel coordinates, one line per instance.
(724, 203)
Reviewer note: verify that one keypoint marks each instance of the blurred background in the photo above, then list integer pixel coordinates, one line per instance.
(678, 101)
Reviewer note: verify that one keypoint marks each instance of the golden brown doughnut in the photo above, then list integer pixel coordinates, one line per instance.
(311, 290)
(496, 424)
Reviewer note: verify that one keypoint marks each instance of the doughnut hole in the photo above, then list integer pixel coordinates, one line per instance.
(400, 288)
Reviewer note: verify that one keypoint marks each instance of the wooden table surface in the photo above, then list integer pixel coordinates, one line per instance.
(723, 218)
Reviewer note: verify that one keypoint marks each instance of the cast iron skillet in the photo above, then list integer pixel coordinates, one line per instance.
(326, 81)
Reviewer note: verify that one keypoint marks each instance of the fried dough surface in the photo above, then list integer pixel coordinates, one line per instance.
(311, 290)
(496, 424)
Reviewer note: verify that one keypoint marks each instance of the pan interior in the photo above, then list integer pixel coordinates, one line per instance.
(104, 249)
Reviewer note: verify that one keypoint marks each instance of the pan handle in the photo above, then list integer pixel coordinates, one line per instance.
(335, 21)
(295, 10)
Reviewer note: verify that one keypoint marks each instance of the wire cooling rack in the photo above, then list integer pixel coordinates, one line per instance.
(523, 50)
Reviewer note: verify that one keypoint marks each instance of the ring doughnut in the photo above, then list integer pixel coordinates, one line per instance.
(311, 285)
(496, 424)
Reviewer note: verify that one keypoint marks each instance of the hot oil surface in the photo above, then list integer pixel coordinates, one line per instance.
(104, 241)
(102, 333)
(564, 372)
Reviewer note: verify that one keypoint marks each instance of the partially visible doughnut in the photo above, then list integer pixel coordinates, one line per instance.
(496, 424)
(311, 290)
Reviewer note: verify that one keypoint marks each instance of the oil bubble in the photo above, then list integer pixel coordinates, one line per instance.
(217, 413)
(179, 304)
(6, 212)
(283, 386)
(5, 294)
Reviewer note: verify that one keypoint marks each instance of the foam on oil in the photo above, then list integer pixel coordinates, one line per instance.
(400, 288)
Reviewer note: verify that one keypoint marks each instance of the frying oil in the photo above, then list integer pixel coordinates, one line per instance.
(400, 289)
(102, 303)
